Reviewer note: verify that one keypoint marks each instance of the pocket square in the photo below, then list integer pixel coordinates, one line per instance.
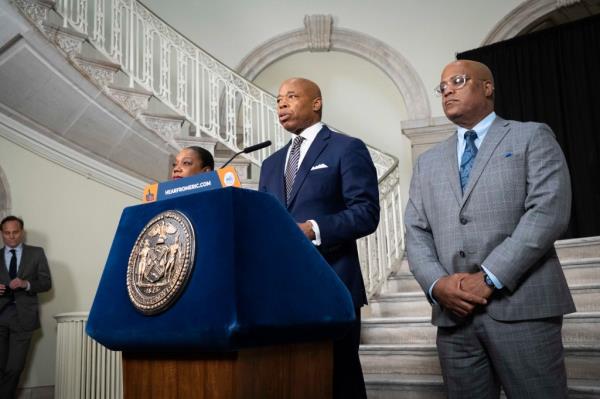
(319, 166)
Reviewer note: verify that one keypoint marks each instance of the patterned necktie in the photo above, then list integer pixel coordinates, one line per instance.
(292, 167)
(468, 158)
(12, 270)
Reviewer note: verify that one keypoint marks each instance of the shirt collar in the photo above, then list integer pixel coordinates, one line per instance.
(310, 133)
(18, 249)
(481, 128)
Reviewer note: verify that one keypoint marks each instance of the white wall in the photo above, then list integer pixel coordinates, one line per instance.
(74, 219)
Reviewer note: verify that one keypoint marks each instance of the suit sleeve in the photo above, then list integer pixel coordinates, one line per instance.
(546, 211)
(360, 193)
(420, 246)
(41, 280)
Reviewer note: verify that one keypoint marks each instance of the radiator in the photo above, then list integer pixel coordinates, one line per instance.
(84, 368)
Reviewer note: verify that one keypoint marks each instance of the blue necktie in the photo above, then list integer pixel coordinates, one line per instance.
(468, 158)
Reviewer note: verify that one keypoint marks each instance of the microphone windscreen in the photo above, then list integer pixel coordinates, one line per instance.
(256, 147)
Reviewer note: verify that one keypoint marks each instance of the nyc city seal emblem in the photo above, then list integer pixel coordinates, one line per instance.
(160, 262)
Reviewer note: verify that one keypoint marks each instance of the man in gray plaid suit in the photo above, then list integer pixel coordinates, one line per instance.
(485, 208)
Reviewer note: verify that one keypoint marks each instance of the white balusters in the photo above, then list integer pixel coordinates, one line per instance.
(99, 31)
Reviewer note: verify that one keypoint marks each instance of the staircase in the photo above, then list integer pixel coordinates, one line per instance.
(398, 352)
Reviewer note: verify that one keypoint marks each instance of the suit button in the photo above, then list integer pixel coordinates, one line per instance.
(463, 221)
(461, 253)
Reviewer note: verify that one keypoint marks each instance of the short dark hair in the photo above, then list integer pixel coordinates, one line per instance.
(12, 218)
(204, 155)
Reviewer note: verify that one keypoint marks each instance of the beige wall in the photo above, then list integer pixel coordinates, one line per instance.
(74, 219)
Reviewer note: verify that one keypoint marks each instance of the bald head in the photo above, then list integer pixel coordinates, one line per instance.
(310, 87)
(299, 104)
(468, 104)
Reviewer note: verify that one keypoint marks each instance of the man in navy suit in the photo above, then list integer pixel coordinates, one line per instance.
(328, 183)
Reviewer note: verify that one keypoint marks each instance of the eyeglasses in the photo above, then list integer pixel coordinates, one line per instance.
(456, 82)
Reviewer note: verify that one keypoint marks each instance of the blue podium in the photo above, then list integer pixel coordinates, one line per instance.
(254, 316)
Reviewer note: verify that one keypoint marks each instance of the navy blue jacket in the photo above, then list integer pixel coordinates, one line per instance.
(343, 198)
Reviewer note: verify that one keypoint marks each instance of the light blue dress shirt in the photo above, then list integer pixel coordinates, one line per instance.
(8, 256)
(481, 129)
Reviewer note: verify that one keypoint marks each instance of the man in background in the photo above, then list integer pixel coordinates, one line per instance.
(24, 273)
(328, 183)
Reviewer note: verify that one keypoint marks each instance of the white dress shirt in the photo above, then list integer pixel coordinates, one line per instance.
(309, 134)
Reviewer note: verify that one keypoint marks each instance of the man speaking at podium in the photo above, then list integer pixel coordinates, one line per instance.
(328, 183)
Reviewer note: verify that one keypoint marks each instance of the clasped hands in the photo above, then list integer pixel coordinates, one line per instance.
(462, 292)
(15, 284)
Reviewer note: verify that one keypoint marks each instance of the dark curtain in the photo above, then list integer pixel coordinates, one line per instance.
(553, 76)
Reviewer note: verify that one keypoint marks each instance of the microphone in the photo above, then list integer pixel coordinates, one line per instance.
(247, 150)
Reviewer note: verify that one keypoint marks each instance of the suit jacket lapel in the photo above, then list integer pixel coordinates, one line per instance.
(24, 261)
(315, 149)
(451, 167)
(279, 188)
(3, 270)
(497, 131)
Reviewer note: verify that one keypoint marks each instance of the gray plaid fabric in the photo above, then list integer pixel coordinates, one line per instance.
(515, 205)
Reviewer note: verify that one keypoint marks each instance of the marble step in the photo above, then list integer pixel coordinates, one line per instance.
(69, 40)
(134, 101)
(581, 271)
(586, 297)
(397, 330)
(405, 304)
(582, 361)
(578, 328)
(39, 12)
(167, 126)
(400, 282)
(394, 386)
(578, 248)
(99, 71)
(411, 304)
(405, 359)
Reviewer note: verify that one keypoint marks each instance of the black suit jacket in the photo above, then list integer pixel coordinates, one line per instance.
(33, 268)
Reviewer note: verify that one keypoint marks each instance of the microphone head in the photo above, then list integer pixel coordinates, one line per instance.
(256, 147)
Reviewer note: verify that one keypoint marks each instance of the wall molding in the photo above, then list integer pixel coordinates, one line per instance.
(523, 17)
(69, 158)
(5, 199)
(391, 62)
